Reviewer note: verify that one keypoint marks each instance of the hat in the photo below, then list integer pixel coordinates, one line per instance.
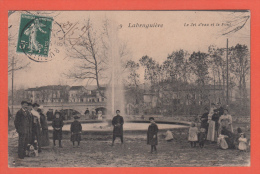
(151, 118)
(35, 105)
(57, 112)
(23, 102)
(76, 117)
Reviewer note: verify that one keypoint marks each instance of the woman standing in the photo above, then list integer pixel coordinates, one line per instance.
(36, 127)
(44, 133)
(225, 120)
(211, 128)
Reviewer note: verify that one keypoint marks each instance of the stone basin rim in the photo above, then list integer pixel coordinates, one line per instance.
(181, 123)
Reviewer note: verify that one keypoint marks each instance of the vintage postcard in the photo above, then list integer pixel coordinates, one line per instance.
(129, 89)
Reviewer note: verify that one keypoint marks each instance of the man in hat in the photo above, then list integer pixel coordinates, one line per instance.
(22, 124)
(118, 122)
(76, 130)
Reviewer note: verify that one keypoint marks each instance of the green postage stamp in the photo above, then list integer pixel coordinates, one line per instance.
(34, 35)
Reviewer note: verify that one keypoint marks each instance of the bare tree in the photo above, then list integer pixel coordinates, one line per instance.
(91, 50)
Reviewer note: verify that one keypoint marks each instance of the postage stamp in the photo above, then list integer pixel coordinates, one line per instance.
(34, 35)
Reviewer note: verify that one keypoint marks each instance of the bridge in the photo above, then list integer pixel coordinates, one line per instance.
(80, 107)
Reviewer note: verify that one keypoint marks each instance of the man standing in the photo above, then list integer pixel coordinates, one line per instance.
(117, 122)
(22, 124)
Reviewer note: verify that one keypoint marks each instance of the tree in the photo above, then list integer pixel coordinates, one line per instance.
(89, 57)
(153, 70)
(134, 76)
(240, 67)
(199, 66)
(176, 65)
(93, 53)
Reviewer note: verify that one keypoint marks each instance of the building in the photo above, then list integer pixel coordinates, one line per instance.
(48, 94)
(185, 95)
(81, 94)
(75, 93)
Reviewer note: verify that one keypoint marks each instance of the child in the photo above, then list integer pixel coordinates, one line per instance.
(152, 135)
(202, 137)
(75, 129)
(193, 135)
(168, 136)
(242, 142)
(221, 141)
(57, 125)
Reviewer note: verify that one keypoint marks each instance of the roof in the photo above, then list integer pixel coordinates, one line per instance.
(49, 87)
(76, 87)
(88, 95)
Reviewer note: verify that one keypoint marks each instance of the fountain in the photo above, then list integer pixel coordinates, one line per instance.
(115, 90)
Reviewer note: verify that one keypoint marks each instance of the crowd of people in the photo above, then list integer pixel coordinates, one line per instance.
(216, 126)
(32, 128)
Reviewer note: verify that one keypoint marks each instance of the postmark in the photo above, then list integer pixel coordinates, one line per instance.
(34, 35)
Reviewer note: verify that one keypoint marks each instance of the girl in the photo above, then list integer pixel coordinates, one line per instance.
(57, 125)
(242, 142)
(193, 135)
(75, 129)
(152, 135)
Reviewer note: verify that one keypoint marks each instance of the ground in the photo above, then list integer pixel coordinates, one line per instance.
(133, 153)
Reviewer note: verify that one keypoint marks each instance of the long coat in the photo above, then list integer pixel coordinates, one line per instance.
(44, 134)
(36, 127)
(118, 122)
(152, 131)
(75, 129)
(204, 121)
(57, 123)
(23, 122)
(23, 125)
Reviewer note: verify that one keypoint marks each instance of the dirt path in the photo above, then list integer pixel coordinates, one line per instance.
(134, 153)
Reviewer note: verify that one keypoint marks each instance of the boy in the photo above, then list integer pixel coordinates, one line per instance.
(152, 135)
(117, 122)
(57, 125)
(76, 129)
(202, 137)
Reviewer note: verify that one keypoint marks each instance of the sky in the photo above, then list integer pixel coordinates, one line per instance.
(176, 33)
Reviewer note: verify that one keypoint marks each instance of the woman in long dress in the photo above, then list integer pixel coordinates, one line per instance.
(211, 128)
(44, 134)
(225, 120)
(36, 126)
